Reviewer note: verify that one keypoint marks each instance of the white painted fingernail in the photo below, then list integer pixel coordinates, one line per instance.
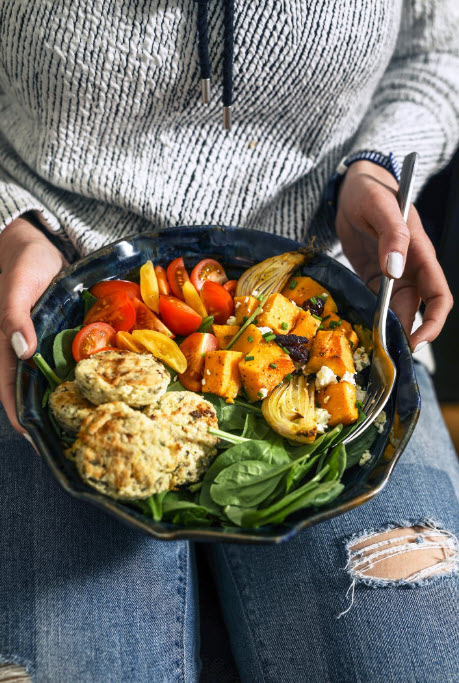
(19, 344)
(395, 264)
(420, 346)
(29, 438)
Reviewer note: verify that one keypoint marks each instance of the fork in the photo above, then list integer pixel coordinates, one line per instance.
(382, 371)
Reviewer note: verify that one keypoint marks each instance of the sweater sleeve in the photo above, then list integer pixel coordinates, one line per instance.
(415, 107)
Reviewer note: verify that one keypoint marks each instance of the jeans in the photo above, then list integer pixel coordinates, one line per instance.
(83, 598)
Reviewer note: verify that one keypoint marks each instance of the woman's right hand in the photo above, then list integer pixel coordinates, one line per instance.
(28, 263)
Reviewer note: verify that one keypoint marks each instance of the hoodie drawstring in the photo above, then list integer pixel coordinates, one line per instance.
(228, 53)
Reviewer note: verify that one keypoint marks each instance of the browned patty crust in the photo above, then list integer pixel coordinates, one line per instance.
(69, 406)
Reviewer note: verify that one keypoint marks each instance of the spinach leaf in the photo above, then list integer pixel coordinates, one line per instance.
(47, 371)
(230, 416)
(191, 518)
(89, 300)
(245, 483)
(155, 505)
(357, 448)
(62, 352)
(256, 427)
(176, 386)
(299, 471)
(336, 462)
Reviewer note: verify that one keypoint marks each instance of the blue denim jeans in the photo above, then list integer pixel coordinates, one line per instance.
(84, 599)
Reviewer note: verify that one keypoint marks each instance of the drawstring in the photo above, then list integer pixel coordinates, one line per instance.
(228, 51)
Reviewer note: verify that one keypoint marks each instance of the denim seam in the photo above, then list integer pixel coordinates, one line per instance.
(182, 592)
(186, 564)
(391, 583)
(19, 661)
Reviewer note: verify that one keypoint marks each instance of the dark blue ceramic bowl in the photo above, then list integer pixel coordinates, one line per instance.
(60, 307)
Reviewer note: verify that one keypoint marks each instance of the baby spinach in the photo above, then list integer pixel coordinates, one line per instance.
(357, 448)
(206, 324)
(62, 352)
(89, 300)
(336, 461)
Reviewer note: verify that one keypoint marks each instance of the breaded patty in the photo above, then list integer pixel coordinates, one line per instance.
(187, 417)
(69, 406)
(123, 454)
(134, 378)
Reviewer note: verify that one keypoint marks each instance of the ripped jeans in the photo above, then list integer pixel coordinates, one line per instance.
(84, 599)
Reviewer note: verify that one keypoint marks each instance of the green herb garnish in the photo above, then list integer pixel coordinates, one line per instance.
(284, 326)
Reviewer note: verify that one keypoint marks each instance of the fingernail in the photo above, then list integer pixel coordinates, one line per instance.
(29, 438)
(420, 346)
(19, 344)
(395, 264)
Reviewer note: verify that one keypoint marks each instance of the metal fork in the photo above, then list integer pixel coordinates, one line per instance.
(382, 371)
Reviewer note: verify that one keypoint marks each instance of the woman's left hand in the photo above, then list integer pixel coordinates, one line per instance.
(375, 238)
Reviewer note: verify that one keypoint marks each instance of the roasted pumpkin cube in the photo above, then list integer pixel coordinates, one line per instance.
(278, 313)
(263, 369)
(224, 334)
(221, 374)
(339, 400)
(299, 289)
(331, 348)
(306, 326)
(243, 307)
(249, 338)
(333, 322)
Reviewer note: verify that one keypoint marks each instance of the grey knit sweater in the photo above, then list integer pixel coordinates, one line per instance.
(103, 133)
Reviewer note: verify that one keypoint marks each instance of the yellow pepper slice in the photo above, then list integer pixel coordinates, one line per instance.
(193, 299)
(162, 348)
(125, 341)
(149, 286)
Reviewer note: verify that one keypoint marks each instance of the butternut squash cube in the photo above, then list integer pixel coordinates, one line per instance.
(243, 307)
(331, 348)
(306, 326)
(278, 313)
(221, 374)
(249, 338)
(339, 323)
(264, 369)
(339, 399)
(299, 289)
(224, 334)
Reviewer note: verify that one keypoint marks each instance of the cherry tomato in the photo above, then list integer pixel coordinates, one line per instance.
(193, 349)
(147, 320)
(177, 276)
(109, 286)
(208, 269)
(91, 339)
(218, 301)
(163, 284)
(115, 309)
(230, 286)
(178, 316)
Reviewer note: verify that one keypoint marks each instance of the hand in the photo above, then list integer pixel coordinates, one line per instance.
(375, 238)
(28, 263)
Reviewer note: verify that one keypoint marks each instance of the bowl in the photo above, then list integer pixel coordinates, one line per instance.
(61, 307)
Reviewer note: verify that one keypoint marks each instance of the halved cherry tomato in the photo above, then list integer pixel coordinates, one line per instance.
(126, 342)
(230, 286)
(107, 287)
(178, 317)
(149, 286)
(163, 284)
(218, 301)
(91, 339)
(193, 348)
(147, 320)
(208, 269)
(162, 348)
(115, 309)
(193, 299)
(177, 275)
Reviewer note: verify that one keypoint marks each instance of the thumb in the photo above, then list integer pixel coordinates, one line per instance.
(15, 321)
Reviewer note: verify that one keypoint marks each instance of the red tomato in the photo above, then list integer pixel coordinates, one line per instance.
(163, 284)
(107, 287)
(218, 301)
(193, 349)
(91, 339)
(115, 309)
(208, 269)
(147, 320)
(178, 316)
(230, 286)
(177, 276)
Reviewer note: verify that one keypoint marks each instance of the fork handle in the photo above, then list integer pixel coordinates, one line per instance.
(404, 194)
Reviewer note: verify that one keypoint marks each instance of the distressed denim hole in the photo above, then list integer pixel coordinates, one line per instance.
(13, 673)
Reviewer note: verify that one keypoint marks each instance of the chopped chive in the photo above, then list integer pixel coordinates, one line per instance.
(285, 349)
(313, 300)
(358, 404)
(250, 338)
(249, 358)
(269, 337)
(293, 284)
(332, 324)
(317, 317)
(322, 296)
(255, 322)
(273, 366)
(288, 377)
(351, 343)
(284, 326)
(326, 317)
(244, 318)
(339, 322)
(203, 354)
(317, 405)
(321, 327)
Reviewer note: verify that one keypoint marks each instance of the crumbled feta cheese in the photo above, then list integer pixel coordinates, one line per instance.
(324, 377)
(361, 359)
(366, 456)
(263, 392)
(255, 294)
(361, 394)
(203, 382)
(324, 295)
(208, 372)
(246, 299)
(348, 377)
(174, 378)
(326, 399)
(238, 304)
(380, 421)
(264, 330)
(322, 419)
(231, 320)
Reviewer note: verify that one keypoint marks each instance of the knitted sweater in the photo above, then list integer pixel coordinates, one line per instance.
(103, 132)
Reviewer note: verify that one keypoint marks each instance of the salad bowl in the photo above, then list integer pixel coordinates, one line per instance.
(60, 307)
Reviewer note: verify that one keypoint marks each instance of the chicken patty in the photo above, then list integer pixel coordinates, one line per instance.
(69, 407)
(137, 379)
(187, 417)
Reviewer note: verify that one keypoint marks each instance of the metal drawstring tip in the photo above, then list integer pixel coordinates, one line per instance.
(205, 88)
(227, 118)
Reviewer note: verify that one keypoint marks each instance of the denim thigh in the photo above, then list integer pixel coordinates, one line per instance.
(281, 603)
(82, 598)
